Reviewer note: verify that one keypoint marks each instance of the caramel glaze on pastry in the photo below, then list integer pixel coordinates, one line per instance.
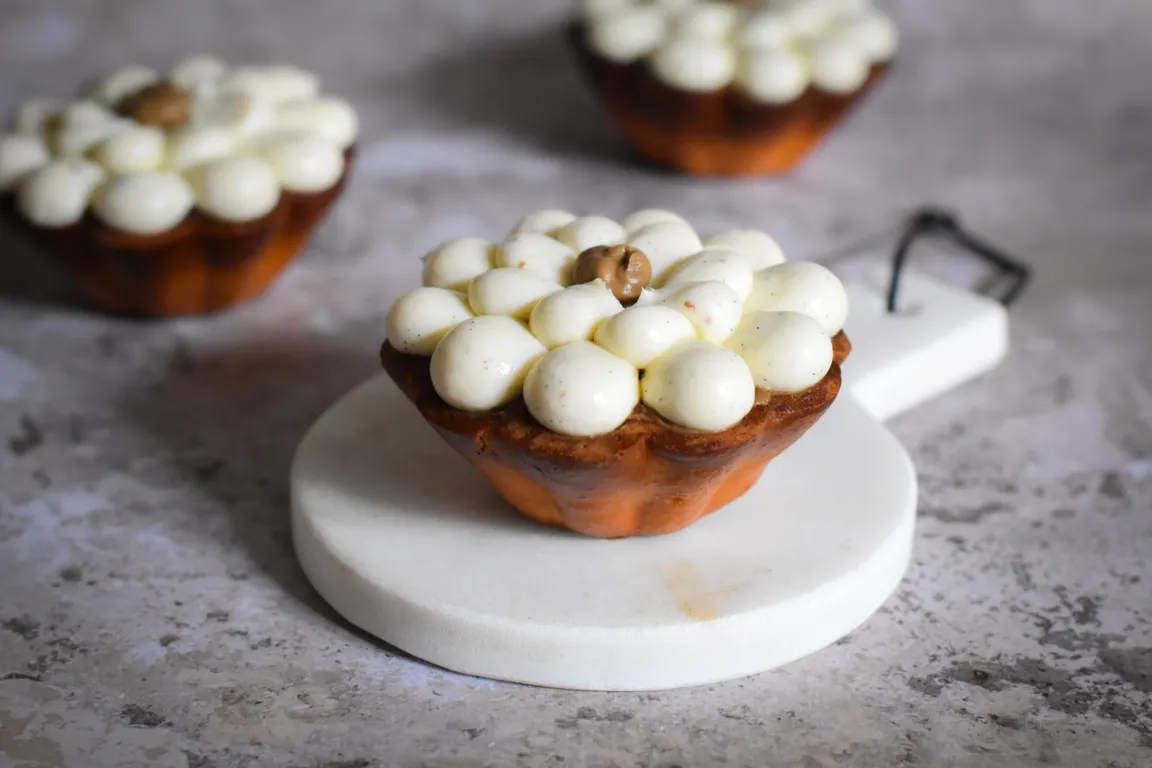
(646, 477)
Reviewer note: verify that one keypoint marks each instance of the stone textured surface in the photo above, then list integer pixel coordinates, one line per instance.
(151, 612)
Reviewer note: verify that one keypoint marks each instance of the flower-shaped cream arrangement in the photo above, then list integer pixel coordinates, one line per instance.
(731, 88)
(618, 377)
(178, 193)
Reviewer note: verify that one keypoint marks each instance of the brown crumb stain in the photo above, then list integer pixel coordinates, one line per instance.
(689, 305)
(20, 745)
(692, 598)
(521, 264)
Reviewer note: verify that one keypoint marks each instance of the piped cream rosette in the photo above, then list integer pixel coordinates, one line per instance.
(585, 317)
(773, 50)
(141, 149)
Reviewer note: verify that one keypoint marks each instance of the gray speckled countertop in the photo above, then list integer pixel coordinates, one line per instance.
(151, 611)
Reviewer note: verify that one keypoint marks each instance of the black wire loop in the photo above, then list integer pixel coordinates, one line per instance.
(940, 222)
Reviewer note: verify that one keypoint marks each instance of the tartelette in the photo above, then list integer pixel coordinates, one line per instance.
(731, 88)
(178, 193)
(618, 377)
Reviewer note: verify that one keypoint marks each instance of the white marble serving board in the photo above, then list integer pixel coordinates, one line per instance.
(406, 541)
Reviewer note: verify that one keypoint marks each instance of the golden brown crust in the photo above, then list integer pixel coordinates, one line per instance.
(201, 265)
(723, 132)
(646, 477)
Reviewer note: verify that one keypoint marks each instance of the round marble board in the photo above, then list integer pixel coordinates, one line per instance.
(409, 543)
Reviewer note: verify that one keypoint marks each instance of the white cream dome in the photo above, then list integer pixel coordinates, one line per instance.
(786, 351)
(581, 389)
(538, 253)
(57, 193)
(481, 364)
(727, 315)
(713, 308)
(144, 203)
(801, 286)
(509, 291)
(419, 319)
(700, 386)
(640, 334)
(235, 188)
(19, 156)
(773, 50)
(572, 314)
(454, 263)
(251, 133)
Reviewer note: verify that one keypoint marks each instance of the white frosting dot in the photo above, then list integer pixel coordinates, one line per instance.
(123, 82)
(786, 351)
(272, 84)
(544, 222)
(847, 7)
(597, 7)
(329, 117)
(84, 112)
(699, 385)
(481, 364)
(32, 116)
(140, 148)
(756, 248)
(871, 32)
(766, 29)
(234, 111)
(801, 286)
(538, 253)
(19, 156)
(637, 220)
(807, 18)
(642, 333)
(572, 314)
(454, 263)
(57, 194)
(626, 35)
(773, 75)
(82, 125)
(192, 145)
(590, 231)
(287, 83)
(694, 65)
(237, 188)
(707, 21)
(665, 244)
(725, 266)
(580, 389)
(838, 66)
(303, 163)
(144, 203)
(77, 140)
(713, 308)
(509, 291)
(418, 320)
(197, 74)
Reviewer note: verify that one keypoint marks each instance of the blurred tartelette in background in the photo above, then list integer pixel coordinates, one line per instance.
(179, 193)
(619, 378)
(731, 88)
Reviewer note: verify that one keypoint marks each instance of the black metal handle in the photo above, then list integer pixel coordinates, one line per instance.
(933, 221)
